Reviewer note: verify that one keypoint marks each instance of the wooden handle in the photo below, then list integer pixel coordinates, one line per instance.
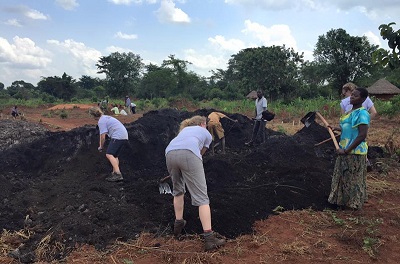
(329, 130)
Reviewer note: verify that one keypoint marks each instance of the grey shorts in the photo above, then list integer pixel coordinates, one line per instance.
(184, 167)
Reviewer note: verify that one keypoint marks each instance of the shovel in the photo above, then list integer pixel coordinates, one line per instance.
(163, 187)
(309, 118)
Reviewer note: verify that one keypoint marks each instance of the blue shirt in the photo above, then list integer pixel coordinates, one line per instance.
(349, 124)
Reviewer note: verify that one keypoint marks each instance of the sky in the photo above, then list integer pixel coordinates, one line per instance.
(43, 38)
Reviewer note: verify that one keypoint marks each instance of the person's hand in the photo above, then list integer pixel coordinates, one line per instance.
(100, 149)
(235, 121)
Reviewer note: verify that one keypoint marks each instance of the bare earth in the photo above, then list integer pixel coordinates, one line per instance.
(285, 235)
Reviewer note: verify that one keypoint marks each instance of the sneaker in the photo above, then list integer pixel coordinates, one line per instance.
(115, 177)
(178, 227)
(212, 242)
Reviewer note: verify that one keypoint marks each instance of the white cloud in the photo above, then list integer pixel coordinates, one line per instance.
(277, 35)
(169, 13)
(372, 38)
(34, 14)
(204, 63)
(83, 60)
(232, 45)
(12, 22)
(121, 35)
(23, 53)
(112, 49)
(67, 4)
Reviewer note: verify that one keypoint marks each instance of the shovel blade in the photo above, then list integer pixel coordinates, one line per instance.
(308, 119)
(164, 188)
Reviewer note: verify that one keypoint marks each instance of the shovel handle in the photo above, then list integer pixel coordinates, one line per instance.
(329, 130)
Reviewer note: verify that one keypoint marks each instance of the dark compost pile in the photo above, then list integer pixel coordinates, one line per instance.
(53, 183)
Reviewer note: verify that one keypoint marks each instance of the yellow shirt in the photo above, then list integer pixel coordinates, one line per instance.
(214, 117)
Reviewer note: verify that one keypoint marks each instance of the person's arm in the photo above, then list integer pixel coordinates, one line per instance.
(101, 141)
(203, 150)
(362, 135)
(372, 112)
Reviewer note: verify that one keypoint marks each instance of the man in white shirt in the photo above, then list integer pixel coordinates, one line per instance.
(259, 122)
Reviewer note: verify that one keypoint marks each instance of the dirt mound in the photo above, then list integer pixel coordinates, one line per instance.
(54, 185)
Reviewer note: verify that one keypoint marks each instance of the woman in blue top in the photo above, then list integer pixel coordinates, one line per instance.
(349, 187)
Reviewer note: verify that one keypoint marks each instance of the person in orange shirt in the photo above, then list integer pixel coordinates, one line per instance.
(215, 128)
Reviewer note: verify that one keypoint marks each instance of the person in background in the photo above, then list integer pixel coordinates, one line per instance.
(215, 128)
(127, 104)
(133, 108)
(346, 106)
(118, 134)
(259, 122)
(14, 112)
(184, 159)
(115, 109)
(349, 187)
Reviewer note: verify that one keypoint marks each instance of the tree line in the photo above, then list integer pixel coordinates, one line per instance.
(279, 71)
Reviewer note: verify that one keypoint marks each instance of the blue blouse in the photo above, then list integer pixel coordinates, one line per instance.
(349, 124)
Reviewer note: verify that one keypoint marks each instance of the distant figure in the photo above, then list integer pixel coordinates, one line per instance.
(123, 112)
(259, 122)
(14, 112)
(115, 110)
(112, 127)
(346, 106)
(127, 104)
(133, 108)
(215, 128)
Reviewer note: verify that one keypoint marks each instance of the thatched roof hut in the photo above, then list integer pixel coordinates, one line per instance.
(252, 95)
(383, 89)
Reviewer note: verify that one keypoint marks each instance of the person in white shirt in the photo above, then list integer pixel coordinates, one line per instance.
(259, 122)
(346, 106)
(118, 134)
(184, 159)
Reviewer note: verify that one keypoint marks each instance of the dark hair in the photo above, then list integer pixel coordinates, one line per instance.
(363, 92)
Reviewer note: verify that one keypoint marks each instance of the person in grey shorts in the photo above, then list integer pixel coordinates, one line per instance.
(112, 127)
(185, 166)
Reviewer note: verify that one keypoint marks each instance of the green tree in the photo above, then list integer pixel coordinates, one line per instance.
(22, 90)
(343, 58)
(158, 82)
(389, 58)
(275, 70)
(180, 69)
(123, 72)
(62, 88)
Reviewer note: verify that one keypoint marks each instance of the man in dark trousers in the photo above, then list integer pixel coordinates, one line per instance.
(259, 122)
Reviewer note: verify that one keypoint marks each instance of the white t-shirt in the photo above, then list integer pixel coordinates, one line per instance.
(260, 104)
(346, 106)
(113, 127)
(192, 138)
(123, 112)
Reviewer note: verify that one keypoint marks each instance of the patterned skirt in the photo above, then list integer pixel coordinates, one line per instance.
(349, 181)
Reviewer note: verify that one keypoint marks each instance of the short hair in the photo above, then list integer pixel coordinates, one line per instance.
(363, 92)
(193, 121)
(349, 86)
(95, 111)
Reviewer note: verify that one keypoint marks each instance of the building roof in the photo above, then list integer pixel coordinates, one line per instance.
(382, 86)
(252, 95)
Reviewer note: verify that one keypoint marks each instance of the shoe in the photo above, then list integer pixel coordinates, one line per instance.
(178, 227)
(212, 242)
(115, 177)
